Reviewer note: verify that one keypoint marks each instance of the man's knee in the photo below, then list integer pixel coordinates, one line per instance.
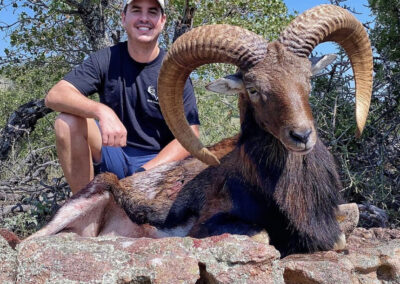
(68, 126)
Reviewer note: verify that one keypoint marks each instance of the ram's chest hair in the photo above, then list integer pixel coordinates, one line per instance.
(305, 187)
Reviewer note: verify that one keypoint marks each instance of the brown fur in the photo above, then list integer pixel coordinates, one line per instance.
(93, 211)
(284, 79)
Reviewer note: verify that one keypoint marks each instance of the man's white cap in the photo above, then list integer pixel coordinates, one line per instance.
(161, 2)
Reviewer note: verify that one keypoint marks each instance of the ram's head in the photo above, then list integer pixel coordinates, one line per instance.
(274, 76)
(278, 95)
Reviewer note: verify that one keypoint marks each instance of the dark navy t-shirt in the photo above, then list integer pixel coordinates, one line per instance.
(130, 89)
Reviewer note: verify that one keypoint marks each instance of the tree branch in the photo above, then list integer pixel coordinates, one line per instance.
(21, 122)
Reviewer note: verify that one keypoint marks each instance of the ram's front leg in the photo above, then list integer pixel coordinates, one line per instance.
(116, 222)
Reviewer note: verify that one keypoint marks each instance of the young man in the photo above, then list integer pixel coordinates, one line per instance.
(125, 132)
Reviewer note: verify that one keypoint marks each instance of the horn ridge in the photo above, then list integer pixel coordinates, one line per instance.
(332, 23)
(313, 26)
(219, 43)
(202, 45)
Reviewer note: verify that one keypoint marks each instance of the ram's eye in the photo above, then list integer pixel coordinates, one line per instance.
(253, 94)
(252, 91)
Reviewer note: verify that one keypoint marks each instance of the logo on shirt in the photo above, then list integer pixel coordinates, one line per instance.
(154, 98)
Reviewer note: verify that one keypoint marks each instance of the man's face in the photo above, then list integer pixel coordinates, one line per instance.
(143, 21)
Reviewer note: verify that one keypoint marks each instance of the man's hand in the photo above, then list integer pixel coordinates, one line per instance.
(113, 132)
(173, 151)
(64, 97)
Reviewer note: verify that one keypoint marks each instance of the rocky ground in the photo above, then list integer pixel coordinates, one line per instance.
(371, 256)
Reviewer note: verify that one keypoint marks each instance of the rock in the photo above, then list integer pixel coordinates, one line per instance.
(67, 257)
(371, 256)
(348, 217)
(8, 262)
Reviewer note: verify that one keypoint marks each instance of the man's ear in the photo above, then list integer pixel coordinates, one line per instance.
(123, 15)
(320, 63)
(163, 19)
(230, 85)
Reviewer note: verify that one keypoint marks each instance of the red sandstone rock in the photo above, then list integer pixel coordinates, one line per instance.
(371, 256)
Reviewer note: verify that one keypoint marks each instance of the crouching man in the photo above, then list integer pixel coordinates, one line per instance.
(125, 132)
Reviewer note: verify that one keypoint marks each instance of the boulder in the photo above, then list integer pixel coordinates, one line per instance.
(8, 262)
(371, 256)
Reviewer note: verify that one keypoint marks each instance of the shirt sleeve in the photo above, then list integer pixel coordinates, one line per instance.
(86, 77)
(189, 102)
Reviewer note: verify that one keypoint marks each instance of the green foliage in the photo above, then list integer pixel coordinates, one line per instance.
(263, 17)
(219, 115)
(385, 33)
(384, 137)
(50, 29)
(29, 81)
(23, 224)
(369, 166)
(44, 202)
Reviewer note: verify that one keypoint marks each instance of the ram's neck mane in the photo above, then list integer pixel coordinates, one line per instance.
(304, 186)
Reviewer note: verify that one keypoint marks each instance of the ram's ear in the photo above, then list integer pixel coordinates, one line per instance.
(230, 85)
(319, 63)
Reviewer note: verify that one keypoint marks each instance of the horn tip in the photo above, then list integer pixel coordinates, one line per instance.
(208, 158)
(359, 131)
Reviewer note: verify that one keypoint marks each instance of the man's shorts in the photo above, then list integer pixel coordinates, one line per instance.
(122, 161)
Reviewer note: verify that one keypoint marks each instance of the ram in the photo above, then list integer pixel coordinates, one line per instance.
(275, 176)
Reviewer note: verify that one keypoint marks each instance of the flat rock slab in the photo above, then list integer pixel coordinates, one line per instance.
(371, 256)
(230, 259)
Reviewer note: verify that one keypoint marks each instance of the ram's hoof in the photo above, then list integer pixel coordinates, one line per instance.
(340, 243)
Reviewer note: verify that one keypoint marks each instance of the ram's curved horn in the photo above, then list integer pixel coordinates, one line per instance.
(202, 45)
(332, 23)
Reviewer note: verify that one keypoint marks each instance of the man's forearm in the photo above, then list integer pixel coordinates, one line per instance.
(64, 97)
(174, 151)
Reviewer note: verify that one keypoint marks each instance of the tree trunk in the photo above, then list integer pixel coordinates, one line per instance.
(186, 23)
(94, 19)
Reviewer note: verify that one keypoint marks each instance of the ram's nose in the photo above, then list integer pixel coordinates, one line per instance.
(300, 136)
(299, 140)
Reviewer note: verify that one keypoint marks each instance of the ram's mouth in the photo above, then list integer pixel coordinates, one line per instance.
(298, 149)
(302, 152)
